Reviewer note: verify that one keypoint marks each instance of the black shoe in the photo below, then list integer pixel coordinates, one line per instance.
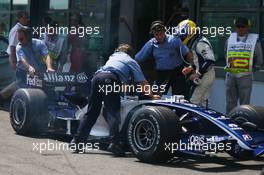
(116, 150)
(76, 146)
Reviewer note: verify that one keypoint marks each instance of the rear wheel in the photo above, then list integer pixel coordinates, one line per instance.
(250, 118)
(28, 111)
(150, 129)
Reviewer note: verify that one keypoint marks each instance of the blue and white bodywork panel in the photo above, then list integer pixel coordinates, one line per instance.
(230, 131)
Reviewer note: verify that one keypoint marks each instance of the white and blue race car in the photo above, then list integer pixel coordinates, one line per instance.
(153, 130)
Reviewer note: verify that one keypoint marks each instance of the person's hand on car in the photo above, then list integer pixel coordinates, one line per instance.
(31, 70)
(156, 97)
(49, 69)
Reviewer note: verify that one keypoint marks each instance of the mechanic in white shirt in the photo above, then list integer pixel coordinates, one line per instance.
(22, 20)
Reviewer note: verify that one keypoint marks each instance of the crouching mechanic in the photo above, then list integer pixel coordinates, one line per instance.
(32, 56)
(203, 57)
(118, 70)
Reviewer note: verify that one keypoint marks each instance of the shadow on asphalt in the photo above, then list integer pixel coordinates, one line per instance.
(213, 163)
(51, 136)
(5, 105)
(205, 164)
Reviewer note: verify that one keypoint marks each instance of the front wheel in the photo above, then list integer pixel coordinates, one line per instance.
(149, 130)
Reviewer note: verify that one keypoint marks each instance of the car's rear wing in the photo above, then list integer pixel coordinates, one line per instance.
(57, 79)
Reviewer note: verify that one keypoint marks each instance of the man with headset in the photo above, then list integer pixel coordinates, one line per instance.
(167, 51)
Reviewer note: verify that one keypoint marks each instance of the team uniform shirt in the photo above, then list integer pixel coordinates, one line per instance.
(124, 66)
(167, 55)
(33, 54)
(13, 41)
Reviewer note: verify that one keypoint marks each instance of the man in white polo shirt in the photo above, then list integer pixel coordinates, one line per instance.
(22, 20)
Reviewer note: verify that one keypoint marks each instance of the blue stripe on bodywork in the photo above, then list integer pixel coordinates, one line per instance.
(214, 116)
(260, 150)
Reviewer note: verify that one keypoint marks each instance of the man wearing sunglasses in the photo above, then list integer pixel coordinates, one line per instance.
(243, 55)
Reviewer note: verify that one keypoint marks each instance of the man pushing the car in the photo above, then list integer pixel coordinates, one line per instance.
(119, 69)
(32, 56)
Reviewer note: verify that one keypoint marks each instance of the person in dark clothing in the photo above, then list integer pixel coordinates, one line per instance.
(118, 70)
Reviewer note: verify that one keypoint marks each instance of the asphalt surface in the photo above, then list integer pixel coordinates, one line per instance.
(22, 155)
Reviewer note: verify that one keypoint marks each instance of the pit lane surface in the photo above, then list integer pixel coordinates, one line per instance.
(19, 155)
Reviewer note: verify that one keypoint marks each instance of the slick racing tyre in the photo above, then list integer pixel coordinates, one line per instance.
(248, 116)
(149, 130)
(28, 111)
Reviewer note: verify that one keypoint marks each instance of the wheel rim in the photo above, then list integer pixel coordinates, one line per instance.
(144, 134)
(19, 112)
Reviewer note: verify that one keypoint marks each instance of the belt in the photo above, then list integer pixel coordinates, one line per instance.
(175, 68)
(110, 72)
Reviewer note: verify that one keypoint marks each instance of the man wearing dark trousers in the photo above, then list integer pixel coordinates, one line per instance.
(118, 70)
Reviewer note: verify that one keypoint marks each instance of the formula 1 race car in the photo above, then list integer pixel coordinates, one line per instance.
(153, 130)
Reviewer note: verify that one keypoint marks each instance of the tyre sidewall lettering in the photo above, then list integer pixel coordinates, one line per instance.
(131, 132)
